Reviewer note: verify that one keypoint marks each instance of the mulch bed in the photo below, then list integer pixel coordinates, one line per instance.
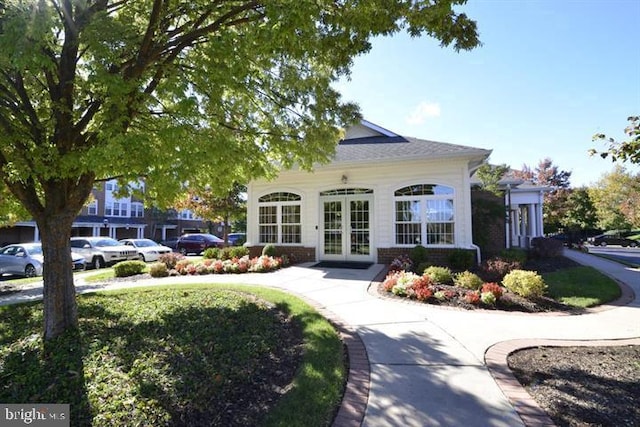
(582, 386)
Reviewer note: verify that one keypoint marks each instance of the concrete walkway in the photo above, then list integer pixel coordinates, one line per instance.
(427, 363)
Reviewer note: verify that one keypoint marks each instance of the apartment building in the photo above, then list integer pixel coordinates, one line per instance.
(116, 217)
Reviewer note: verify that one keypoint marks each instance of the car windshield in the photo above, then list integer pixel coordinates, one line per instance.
(144, 243)
(107, 242)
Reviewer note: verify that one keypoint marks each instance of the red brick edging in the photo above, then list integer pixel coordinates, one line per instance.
(356, 393)
(527, 408)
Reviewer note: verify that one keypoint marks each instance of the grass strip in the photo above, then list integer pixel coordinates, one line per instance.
(581, 287)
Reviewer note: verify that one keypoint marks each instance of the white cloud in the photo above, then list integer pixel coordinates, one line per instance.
(423, 111)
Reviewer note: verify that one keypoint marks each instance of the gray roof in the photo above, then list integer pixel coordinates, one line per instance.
(390, 148)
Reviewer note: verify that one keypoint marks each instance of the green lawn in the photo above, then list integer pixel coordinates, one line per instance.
(171, 355)
(581, 287)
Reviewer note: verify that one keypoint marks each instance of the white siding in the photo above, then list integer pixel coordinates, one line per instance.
(384, 179)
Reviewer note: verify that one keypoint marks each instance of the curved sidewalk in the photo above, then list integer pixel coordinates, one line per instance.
(427, 363)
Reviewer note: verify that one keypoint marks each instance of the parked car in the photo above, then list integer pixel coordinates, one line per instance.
(170, 243)
(198, 242)
(236, 239)
(100, 252)
(148, 250)
(616, 238)
(26, 259)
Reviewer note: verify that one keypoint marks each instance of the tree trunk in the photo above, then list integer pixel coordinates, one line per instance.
(60, 308)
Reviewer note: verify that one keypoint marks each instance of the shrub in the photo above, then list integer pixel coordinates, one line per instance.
(525, 283)
(129, 268)
(468, 280)
(418, 254)
(472, 297)
(423, 266)
(494, 269)
(181, 266)
(212, 253)
(488, 298)
(401, 263)
(440, 275)
(158, 269)
(420, 288)
(390, 281)
(269, 250)
(494, 288)
(238, 251)
(461, 259)
(170, 259)
(545, 247)
(514, 254)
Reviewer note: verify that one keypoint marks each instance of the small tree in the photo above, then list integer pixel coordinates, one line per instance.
(211, 206)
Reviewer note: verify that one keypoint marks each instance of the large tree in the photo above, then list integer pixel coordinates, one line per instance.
(204, 92)
(616, 197)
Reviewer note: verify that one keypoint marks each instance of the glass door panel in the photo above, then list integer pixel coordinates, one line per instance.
(333, 226)
(359, 222)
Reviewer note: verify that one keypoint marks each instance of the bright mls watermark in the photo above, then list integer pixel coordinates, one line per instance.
(34, 414)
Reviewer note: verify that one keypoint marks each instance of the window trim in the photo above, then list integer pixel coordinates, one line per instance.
(279, 200)
(422, 197)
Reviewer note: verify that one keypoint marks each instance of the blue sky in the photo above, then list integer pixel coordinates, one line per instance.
(550, 74)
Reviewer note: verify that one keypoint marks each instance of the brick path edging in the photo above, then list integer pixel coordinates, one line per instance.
(356, 393)
(527, 408)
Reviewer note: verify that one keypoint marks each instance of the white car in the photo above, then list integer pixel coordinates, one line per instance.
(102, 251)
(148, 250)
(26, 259)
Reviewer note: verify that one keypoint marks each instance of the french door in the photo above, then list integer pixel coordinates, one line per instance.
(346, 227)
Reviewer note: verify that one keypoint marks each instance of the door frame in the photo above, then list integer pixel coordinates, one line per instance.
(346, 255)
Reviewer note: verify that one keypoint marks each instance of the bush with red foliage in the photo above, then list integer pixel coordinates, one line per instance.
(472, 297)
(494, 269)
(421, 288)
(494, 288)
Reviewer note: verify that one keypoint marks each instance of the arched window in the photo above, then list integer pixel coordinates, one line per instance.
(424, 215)
(279, 219)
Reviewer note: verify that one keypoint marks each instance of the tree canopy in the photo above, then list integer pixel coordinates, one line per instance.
(626, 150)
(616, 197)
(204, 92)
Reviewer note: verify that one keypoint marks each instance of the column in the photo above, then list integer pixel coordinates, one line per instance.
(533, 221)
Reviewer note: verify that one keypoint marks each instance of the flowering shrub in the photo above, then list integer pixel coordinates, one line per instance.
(525, 283)
(493, 288)
(472, 297)
(468, 280)
(401, 263)
(391, 280)
(181, 265)
(440, 275)
(421, 288)
(170, 259)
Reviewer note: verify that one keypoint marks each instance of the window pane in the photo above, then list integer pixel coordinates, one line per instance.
(440, 234)
(408, 234)
(408, 211)
(268, 215)
(291, 234)
(291, 214)
(279, 197)
(439, 210)
(268, 234)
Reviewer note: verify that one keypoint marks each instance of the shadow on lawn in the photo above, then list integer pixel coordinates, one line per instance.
(197, 362)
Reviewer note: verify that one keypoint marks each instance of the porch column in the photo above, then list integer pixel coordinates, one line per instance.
(533, 221)
(540, 218)
(36, 234)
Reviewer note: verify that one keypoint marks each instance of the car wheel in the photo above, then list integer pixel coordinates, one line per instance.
(633, 244)
(30, 271)
(603, 244)
(98, 263)
(183, 251)
(141, 256)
